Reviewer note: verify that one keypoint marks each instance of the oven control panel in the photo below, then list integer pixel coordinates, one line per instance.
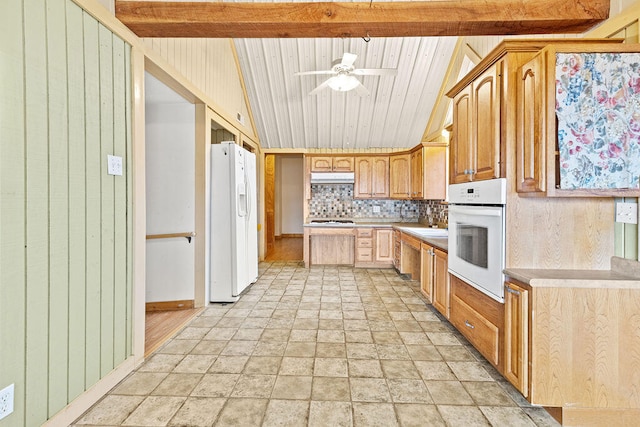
(489, 192)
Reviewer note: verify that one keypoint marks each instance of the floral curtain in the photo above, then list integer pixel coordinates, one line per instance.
(598, 110)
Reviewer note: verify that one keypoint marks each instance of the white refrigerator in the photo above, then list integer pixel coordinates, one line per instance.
(234, 231)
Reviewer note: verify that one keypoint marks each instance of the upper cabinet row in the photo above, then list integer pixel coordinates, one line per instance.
(418, 174)
(531, 109)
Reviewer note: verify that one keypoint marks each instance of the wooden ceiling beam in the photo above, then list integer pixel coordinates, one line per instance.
(360, 19)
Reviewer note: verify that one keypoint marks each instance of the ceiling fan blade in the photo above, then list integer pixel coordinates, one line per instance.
(361, 90)
(348, 59)
(305, 73)
(320, 86)
(375, 71)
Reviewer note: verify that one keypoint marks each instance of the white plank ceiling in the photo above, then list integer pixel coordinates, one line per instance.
(393, 115)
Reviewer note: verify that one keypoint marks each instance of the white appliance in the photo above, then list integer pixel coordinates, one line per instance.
(234, 232)
(476, 234)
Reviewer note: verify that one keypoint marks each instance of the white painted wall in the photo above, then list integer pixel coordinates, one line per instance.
(170, 177)
(291, 190)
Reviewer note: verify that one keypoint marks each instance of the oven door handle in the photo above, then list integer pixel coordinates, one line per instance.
(486, 211)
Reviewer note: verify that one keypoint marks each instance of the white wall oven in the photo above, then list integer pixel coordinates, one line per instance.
(476, 234)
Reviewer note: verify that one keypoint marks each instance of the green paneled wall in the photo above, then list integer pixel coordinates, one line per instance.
(65, 224)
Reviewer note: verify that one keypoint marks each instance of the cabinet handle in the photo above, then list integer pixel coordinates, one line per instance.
(528, 73)
(469, 325)
(511, 291)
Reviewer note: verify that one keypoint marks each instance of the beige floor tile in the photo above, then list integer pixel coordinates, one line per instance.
(374, 415)
(112, 410)
(331, 336)
(292, 387)
(259, 386)
(154, 411)
(215, 385)
(330, 367)
(356, 325)
(178, 347)
(392, 352)
(369, 390)
(279, 324)
(423, 352)
(434, 370)
(277, 335)
(399, 369)
(331, 388)
(198, 412)
(286, 413)
(262, 365)
(296, 366)
(303, 335)
(541, 417)
(488, 393)
(230, 322)
(300, 349)
(335, 414)
(239, 348)
(363, 337)
(192, 333)
(386, 337)
(209, 347)
(161, 363)
(221, 334)
(248, 334)
(365, 368)
(361, 351)
(269, 348)
(418, 415)
(469, 371)
(463, 416)
(408, 390)
(415, 338)
(335, 324)
(195, 364)
(455, 353)
(507, 416)
(443, 338)
(448, 393)
(140, 383)
(228, 364)
(242, 412)
(176, 384)
(382, 325)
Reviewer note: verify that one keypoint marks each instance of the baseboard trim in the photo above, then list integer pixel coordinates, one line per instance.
(80, 404)
(169, 305)
(292, 235)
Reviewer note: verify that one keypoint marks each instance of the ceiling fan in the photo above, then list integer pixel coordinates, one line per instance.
(344, 75)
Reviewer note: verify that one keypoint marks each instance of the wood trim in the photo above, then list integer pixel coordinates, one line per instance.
(290, 235)
(169, 305)
(359, 19)
(188, 235)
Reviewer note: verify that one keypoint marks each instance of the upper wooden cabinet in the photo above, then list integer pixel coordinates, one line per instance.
(417, 178)
(331, 164)
(400, 176)
(578, 137)
(371, 177)
(429, 172)
(475, 149)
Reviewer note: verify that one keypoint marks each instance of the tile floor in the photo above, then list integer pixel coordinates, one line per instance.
(326, 346)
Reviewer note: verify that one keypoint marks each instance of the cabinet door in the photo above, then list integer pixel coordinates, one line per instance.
(516, 336)
(380, 177)
(362, 185)
(460, 149)
(530, 125)
(384, 245)
(486, 125)
(441, 288)
(342, 164)
(397, 248)
(400, 178)
(321, 164)
(435, 173)
(417, 173)
(426, 276)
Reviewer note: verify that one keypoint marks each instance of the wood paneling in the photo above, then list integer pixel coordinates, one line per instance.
(65, 225)
(270, 201)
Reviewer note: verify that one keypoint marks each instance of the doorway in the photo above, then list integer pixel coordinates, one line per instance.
(170, 143)
(284, 196)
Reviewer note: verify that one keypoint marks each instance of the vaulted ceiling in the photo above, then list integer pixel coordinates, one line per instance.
(397, 109)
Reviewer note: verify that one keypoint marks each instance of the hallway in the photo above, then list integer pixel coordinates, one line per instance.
(286, 249)
(321, 346)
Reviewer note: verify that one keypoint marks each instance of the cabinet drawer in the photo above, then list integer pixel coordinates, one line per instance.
(364, 254)
(364, 232)
(483, 334)
(365, 243)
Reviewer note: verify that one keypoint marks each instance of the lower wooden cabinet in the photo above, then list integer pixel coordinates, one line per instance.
(479, 318)
(441, 282)
(374, 247)
(384, 246)
(426, 277)
(516, 336)
(397, 248)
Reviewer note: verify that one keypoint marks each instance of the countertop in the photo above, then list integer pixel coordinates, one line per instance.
(619, 277)
(411, 228)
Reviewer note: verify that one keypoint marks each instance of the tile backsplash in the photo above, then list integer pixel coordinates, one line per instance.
(336, 201)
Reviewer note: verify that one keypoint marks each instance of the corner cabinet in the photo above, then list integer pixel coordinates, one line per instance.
(544, 146)
(371, 177)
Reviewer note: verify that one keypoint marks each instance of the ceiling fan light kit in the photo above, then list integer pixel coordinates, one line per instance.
(343, 79)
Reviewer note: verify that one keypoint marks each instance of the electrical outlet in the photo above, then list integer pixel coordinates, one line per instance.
(627, 212)
(376, 209)
(114, 165)
(6, 401)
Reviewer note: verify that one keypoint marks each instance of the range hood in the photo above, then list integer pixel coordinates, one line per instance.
(332, 177)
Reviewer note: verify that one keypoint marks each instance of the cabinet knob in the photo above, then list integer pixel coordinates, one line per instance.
(469, 325)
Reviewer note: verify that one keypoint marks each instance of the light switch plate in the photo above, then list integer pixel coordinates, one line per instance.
(114, 165)
(627, 212)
